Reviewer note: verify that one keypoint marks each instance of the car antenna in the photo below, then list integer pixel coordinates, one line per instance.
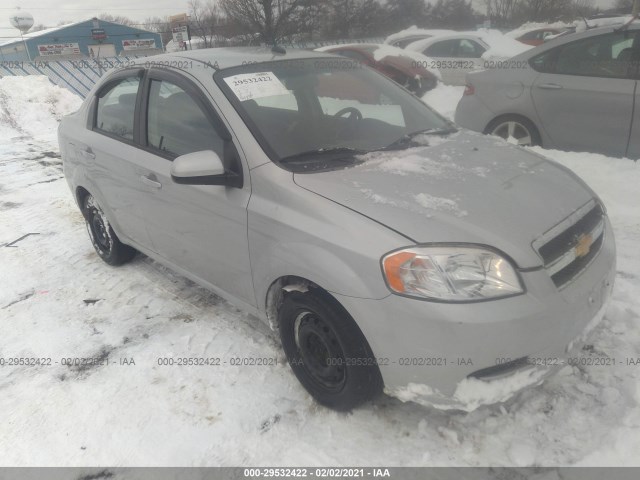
(626, 25)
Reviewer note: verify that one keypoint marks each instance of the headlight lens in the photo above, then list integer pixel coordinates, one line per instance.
(454, 274)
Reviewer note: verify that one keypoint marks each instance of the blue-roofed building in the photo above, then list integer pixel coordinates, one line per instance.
(86, 39)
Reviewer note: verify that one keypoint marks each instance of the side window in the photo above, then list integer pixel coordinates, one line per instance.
(446, 48)
(611, 55)
(116, 108)
(470, 49)
(176, 124)
(352, 54)
(527, 36)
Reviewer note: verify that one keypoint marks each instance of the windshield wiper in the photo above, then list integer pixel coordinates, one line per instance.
(406, 141)
(339, 153)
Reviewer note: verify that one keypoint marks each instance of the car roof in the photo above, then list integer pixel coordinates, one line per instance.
(571, 37)
(229, 57)
(426, 42)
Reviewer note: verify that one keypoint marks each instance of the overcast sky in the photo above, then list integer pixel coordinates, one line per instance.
(51, 12)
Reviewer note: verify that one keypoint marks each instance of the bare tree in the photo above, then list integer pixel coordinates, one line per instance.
(121, 19)
(159, 25)
(501, 12)
(271, 19)
(204, 21)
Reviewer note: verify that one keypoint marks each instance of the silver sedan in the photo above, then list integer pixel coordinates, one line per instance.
(577, 92)
(389, 249)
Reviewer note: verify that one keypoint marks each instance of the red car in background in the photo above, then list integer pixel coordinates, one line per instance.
(407, 69)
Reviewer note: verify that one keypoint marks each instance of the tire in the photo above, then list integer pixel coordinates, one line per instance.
(106, 243)
(318, 335)
(521, 128)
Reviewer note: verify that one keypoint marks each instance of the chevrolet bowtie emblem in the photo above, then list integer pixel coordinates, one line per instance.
(584, 245)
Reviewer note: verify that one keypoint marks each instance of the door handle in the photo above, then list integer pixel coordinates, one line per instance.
(150, 181)
(550, 86)
(88, 154)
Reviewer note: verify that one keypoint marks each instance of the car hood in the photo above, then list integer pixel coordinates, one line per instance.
(464, 187)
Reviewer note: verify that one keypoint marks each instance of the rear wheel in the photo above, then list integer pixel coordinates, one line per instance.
(327, 351)
(515, 128)
(106, 243)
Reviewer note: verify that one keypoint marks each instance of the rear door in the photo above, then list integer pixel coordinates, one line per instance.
(201, 229)
(110, 153)
(584, 93)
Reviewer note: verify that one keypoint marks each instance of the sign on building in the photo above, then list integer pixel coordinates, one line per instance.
(180, 34)
(98, 33)
(146, 44)
(58, 49)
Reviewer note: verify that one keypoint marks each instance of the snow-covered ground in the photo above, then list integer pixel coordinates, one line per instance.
(59, 300)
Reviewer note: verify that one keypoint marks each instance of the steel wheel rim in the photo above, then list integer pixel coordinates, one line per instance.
(320, 352)
(98, 231)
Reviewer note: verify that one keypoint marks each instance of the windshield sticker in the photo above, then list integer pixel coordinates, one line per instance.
(248, 86)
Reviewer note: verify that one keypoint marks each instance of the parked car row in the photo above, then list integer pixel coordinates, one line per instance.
(576, 92)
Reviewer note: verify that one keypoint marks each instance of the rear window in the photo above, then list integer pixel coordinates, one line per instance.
(116, 108)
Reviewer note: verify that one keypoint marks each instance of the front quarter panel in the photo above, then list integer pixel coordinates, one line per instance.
(294, 232)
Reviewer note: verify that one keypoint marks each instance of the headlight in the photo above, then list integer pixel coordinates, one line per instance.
(452, 274)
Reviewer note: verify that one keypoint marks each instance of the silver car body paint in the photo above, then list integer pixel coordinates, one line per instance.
(571, 112)
(332, 229)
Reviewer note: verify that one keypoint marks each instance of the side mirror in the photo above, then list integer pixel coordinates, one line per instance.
(202, 168)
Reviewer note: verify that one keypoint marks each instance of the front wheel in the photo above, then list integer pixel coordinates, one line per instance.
(327, 351)
(515, 128)
(107, 245)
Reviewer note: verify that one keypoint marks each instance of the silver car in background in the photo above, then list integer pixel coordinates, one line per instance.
(389, 249)
(576, 92)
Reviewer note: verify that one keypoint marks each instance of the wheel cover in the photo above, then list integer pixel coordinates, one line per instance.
(514, 129)
(320, 352)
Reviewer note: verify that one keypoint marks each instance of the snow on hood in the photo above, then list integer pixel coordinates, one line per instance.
(32, 105)
(465, 187)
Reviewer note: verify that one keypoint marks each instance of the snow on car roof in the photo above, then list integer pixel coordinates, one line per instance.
(533, 26)
(414, 30)
(581, 26)
(500, 46)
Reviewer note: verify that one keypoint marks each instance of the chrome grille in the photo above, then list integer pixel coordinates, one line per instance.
(570, 246)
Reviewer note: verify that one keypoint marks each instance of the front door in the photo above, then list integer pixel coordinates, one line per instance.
(584, 94)
(199, 228)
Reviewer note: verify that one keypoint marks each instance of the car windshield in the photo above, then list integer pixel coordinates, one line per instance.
(324, 107)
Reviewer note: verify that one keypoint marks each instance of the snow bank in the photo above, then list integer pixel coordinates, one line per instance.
(444, 99)
(500, 45)
(32, 105)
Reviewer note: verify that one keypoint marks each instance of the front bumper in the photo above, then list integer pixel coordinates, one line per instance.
(437, 352)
